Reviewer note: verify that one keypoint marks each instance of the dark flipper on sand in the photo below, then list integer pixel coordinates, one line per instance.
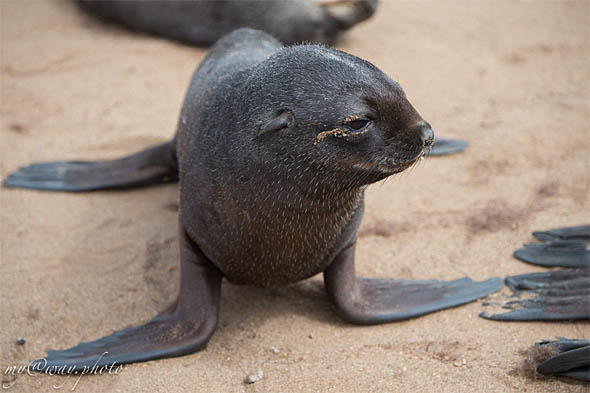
(554, 295)
(443, 146)
(184, 328)
(571, 360)
(565, 247)
(581, 232)
(373, 301)
(154, 165)
(549, 296)
(564, 253)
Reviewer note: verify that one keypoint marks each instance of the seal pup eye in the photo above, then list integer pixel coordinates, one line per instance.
(358, 124)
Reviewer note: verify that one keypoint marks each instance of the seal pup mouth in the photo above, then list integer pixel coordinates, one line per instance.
(391, 166)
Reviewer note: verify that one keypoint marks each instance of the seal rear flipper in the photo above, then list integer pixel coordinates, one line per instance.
(373, 301)
(581, 232)
(184, 328)
(154, 165)
(565, 247)
(549, 296)
(571, 360)
(444, 146)
(564, 253)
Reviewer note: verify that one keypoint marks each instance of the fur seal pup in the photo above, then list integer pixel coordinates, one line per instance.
(204, 22)
(274, 148)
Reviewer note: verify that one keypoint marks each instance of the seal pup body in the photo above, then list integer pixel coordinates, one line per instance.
(274, 149)
(204, 22)
(314, 214)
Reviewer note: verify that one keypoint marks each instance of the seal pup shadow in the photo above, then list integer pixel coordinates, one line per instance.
(274, 148)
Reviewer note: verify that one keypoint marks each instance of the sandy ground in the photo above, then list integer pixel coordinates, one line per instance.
(512, 78)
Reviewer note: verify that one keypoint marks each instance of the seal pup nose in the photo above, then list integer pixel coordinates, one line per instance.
(426, 133)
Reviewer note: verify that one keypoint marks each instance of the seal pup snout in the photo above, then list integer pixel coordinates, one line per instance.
(400, 149)
(426, 133)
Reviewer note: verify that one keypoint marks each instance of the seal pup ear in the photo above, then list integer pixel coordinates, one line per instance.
(282, 119)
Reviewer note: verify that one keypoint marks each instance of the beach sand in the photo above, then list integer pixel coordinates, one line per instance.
(512, 78)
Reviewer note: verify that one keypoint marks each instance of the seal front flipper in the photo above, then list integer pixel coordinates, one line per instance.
(373, 301)
(154, 165)
(549, 296)
(184, 328)
(443, 146)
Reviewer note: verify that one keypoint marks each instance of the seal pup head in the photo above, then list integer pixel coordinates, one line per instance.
(326, 111)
